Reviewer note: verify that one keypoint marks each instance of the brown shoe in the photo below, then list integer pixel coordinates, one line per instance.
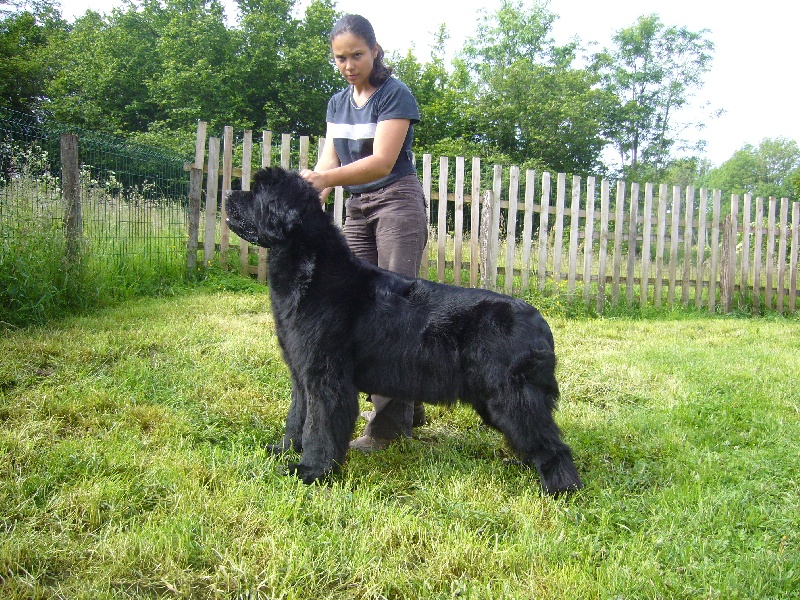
(369, 444)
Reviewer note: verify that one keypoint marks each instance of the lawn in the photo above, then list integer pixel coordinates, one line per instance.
(133, 464)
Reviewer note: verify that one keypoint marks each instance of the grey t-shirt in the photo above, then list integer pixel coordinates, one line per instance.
(354, 127)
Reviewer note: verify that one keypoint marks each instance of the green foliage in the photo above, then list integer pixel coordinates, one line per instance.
(652, 71)
(284, 67)
(528, 100)
(24, 37)
(40, 281)
(149, 70)
(769, 170)
(133, 443)
(152, 69)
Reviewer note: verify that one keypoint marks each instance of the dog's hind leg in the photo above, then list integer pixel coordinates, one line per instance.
(293, 435)
(524, 415)
(331, 415)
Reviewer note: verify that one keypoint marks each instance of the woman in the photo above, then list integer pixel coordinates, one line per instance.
(370, 128)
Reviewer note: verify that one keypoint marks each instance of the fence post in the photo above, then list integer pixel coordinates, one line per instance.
(195, 191)
(441, 220)
(795, 226)
(475, 209)
(726, 266)
(486, 237)
(212, 189)
(70, 184)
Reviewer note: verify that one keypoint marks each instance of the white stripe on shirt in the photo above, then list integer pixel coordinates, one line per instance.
(363, 131)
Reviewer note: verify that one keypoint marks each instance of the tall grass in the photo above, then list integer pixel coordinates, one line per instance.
(133, 465)
(126, 249)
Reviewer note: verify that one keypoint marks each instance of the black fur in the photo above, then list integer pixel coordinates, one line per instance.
(346, 326)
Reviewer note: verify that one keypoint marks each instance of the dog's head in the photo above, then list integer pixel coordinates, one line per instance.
(274, 208)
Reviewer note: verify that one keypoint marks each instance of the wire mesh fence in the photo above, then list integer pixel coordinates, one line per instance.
(133, 197)
(133, 200)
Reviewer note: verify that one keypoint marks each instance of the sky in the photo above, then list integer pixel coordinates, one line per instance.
(753, 76)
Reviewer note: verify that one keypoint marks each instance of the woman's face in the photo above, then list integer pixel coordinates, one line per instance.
(353, 58)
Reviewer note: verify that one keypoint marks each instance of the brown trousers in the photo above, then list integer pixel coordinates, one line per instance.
(388, 227)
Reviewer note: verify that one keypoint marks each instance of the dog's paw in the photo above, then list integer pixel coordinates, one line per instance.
(282, 448)
(307, 475)
(560, 477)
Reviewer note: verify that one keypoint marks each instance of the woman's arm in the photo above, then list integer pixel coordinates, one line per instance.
(327, 160)
(389, 138)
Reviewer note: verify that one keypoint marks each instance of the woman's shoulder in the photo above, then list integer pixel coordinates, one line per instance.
(394, 85)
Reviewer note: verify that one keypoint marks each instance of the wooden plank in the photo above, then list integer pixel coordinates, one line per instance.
(200, 145)
(544, 218)
(725, 284)
(633, 227)
(793, 259)
(782, 253)
(688, 244)
(713, 275)
(732, 241)
(558, 241)
(286, 150)
(266, 161)
(494, 239)
(427, 184)
(588, 239)
(485, 235)
(195, 193)
(304, 146)
(247, 167)
(458, 223)
(212, 191)
(227, 166)
(574, 233)
(647, 232)
(619, 229)
(475, 217)
(702, 240)
(770, 258)
(338, 206)
(511, 228)
(674, 238)
(441, 222)
(660, 243)
(603, 242)
(747, 231)
(266, 148)
(527, 227)
(757, 254)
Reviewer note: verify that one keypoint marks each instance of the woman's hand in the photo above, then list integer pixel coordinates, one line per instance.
(315, 178)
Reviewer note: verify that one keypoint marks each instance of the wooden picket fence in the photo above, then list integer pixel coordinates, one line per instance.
(651, 245)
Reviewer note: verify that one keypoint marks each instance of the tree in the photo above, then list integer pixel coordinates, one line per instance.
(284, 65)
(769, 170)
(196, 78)
(443, 106)
(653, 71)
(526, 99)
(26, 30)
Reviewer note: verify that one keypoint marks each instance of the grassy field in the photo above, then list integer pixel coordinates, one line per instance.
(132, 464)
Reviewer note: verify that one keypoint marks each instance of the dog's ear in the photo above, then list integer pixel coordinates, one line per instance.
(277, 223)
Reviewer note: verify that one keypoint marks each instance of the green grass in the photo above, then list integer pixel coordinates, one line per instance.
(132, 464)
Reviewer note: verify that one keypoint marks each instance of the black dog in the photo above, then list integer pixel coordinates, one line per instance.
(346, 326)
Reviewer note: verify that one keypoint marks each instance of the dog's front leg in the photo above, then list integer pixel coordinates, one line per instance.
(332, 409)
(295, 419)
